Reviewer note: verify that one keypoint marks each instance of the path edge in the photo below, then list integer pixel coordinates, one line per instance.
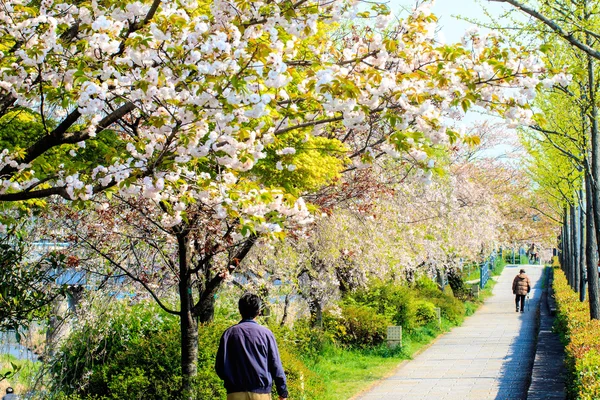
(399, 366)
(548, 375)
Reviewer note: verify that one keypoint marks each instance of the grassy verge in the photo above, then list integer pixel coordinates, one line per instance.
(346, 372)
(471, 272)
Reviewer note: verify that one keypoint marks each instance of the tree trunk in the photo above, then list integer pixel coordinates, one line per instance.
(571, 248)
(188, 323)
(206, 308)
(582, 253)
(567, 248)
(560, 247)
(591, 254)
(285, 310)
(564, 245)
(576, 256)
(189, 352)
(316, 313)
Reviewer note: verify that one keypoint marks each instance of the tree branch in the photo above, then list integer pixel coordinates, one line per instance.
(552, 25)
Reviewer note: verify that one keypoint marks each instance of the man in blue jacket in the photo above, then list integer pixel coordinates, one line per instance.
(10, 394)
(248, 359)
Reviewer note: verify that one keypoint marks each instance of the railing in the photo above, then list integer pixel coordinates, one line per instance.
(485, 269)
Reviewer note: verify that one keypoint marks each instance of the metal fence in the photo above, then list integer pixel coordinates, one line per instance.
(485, 269)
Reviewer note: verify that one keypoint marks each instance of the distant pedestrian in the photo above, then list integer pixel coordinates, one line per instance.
(521, 287)
(10, 394)
(532, 254)
(248, 359)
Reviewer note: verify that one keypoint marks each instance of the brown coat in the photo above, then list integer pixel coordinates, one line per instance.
(521, 284)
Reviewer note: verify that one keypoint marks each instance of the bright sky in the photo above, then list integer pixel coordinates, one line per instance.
(452, 28)
(449, 12)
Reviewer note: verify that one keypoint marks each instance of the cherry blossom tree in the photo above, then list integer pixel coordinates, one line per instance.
(415, 225)
(203, 122)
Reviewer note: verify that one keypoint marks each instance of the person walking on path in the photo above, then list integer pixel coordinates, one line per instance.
(532, 254)
(248, 359)
(521, 287)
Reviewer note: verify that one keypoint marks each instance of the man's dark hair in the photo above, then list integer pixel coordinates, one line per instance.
(9, 390)
(249, 306)
(522, 271)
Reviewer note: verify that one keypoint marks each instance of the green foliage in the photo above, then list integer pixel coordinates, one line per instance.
(126, 351)
(318, 161)
(426, 285)
(499, 265)
(18, 372)
(395, 302)
(425, 312)
(451, 308)
(207, 384)
(26, 287)
(133, 352)
(19, 129)
(358, 325)
(303, 384)
(303, 338)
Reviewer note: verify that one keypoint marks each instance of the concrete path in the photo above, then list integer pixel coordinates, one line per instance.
(489, 357)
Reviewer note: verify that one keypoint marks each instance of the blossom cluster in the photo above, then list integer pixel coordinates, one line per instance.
(196, 96)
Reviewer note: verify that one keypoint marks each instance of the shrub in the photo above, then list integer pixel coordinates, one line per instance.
(358, 325)
(451, 308)
(582, 338)
(425, 312)
(127, 352)
(303, 384)
(208, 385)
(303, 338)
(396, 302)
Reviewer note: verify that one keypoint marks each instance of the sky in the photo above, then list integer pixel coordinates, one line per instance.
(452, 27)
(450, 11)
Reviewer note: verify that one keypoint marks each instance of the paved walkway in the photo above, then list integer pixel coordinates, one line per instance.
(489, 357)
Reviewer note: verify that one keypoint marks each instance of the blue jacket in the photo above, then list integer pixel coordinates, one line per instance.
(248, 360)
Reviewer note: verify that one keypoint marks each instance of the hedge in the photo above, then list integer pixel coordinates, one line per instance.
(582, 340)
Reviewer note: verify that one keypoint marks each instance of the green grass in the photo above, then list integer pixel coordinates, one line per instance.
(347, 372)
(472, 272)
